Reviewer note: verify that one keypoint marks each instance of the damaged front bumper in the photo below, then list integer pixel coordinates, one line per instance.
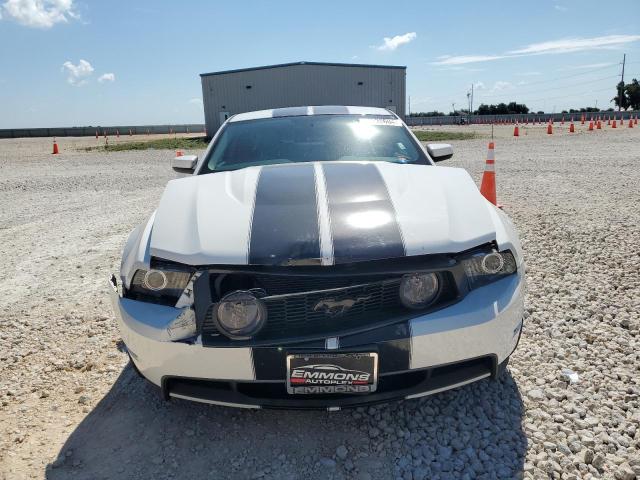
(456, 345)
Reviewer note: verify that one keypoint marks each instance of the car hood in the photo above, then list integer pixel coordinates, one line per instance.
(320, 213)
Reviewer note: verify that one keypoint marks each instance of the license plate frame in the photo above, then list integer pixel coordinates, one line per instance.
(312, 373)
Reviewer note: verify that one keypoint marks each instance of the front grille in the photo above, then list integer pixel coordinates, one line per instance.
(303, 306)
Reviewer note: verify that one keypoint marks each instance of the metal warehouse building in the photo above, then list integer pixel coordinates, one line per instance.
(302, 83)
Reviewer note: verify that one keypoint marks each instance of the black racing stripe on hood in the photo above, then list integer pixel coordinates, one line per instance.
(284, 228)
(363, 221)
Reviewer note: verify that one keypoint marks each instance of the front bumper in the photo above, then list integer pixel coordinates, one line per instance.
(460, 344)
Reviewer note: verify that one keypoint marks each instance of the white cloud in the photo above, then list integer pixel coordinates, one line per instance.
(40, 13)
(195, 101)
(392, 43)
(567, 45)
(77, 74)
(479, 86)
(462, 59)
(501, 85)
(589, 66)
(560, 8)
(107, 77)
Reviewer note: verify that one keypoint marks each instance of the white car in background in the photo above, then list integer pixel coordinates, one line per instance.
(316, 258)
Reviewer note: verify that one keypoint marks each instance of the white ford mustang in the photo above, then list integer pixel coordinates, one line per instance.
(316, 258)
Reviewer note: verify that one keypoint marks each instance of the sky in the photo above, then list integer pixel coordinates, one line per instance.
(77, 63)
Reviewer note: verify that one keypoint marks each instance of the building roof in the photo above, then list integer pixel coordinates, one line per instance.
(303, 111)
(264, 67)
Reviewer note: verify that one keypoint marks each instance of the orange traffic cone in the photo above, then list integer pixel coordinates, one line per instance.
(516, 131)
(599, 125)
(562, 121)
(55, 146)
(178, 153)
(636, 120)
(117, 133)
(572, 129)
(96, 134)
(591, 126)
(549, 129)
(613, 124)
(488, 185)
(582, 120)
(622, 122)
(630, 123)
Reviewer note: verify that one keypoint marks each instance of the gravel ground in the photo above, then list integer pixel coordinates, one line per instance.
(71, 407)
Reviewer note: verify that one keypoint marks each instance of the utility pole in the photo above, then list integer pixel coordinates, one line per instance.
(621, 90)
(471, 109)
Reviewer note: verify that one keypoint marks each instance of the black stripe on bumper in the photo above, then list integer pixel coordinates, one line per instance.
(392, 343)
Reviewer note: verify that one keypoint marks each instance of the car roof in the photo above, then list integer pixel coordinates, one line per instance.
(311, 110)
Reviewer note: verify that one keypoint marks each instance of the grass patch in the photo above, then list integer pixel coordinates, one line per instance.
(431, 136)
(192, 143)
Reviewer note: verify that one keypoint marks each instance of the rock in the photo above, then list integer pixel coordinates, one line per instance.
(598, 461)
(536, 394)
(327, 462)
(625, 472)
(342, 452)
(84, 400)
(588, 456)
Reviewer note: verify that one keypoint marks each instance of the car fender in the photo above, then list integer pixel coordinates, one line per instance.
(507, 236)
(136, 254)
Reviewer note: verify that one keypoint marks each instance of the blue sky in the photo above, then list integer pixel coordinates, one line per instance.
(72, 62)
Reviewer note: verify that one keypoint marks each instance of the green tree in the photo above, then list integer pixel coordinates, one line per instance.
(632, 91)
(621, 99)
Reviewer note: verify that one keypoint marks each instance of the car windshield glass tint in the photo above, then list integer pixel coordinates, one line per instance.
(312, 138)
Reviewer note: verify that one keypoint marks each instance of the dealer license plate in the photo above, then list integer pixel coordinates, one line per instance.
(332, 373)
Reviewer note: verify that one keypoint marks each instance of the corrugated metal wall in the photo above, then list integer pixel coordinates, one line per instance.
(297, 85)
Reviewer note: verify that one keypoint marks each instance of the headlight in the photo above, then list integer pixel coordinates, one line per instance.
(240, 315)
(484, 268)
(418, 290)
(161, 286)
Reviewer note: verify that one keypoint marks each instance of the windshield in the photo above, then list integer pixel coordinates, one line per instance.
(312, 138)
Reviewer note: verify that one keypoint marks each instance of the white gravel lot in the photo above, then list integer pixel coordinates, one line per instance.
(71, 407)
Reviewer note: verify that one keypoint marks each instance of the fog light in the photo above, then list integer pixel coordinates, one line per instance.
(418, 290)
(240, 315)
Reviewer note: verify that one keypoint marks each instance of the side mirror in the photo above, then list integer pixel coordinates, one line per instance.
(440, 151)
(185, 163)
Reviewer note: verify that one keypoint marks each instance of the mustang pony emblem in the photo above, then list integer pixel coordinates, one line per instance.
(333, 307)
